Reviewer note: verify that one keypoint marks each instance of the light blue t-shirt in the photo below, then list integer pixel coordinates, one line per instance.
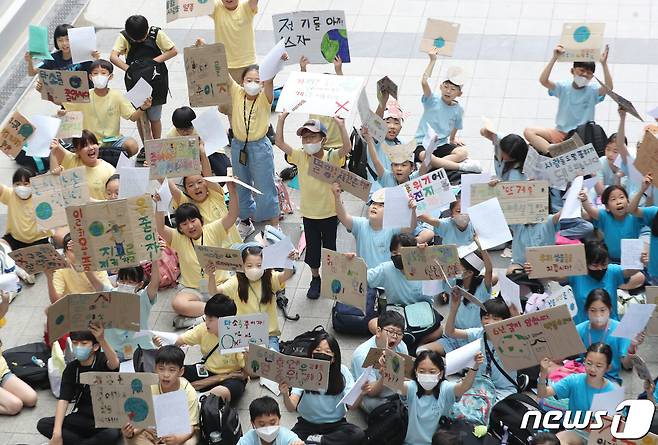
(443, 118)
(582, 285)
(359, 356)
(399, 290)
(388, 178)
(576, 105)
(451, 234)
(503, 386)
(575, 388)
(386, 162)
(649, 213)
(425, 411)
(372, 245)
(531, 235)
(468, 314)
(614, 231)
(619, 345)
(125, 342)
(606, 175)
(285, 437)
(321, 408)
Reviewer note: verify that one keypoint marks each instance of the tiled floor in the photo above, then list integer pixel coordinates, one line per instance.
(503, 45)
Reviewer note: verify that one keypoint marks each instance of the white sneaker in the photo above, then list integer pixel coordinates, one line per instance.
(246, 229)
(470, 165)
(315, 439)
(182, 322)
(26, 277)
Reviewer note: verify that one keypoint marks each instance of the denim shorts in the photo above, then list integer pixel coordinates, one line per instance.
(154, 113)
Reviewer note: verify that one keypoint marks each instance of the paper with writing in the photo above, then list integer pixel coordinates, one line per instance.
(238, 332)
(206, 70)
(570, 144)
(562, 169)
(297, 372)
(139, 93)
(631, 252)
(173, 157)
(221, 258)
(61, 86)
(172, 415)
(463, 357)
(272, 62)
(557, 261)
(344, 279)
(489, 223)
(183, 9)
(522, 202)
(372, 359)
(582, 42)
(392, 373)
(430, 191)
(375, 124)
(641, 368)
(348, 181)
(420, 263)
(386, 85)
(51, 194)
(621, 101)
(14, 133)
(38, 258)
(634, 321)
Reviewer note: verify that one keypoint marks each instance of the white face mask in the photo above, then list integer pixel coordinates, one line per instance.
(268, 433)
(100, 80)
(599, 321)
(254, 273)
(580, 81)
(461, 220)
(428, 381)
(121, 287)
(252, 88)
(23, 191)
(312, 149)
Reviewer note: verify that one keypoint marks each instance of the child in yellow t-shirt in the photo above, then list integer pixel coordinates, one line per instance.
(254, 290)
(317, 204)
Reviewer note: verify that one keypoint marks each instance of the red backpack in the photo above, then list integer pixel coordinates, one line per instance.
(169, 269)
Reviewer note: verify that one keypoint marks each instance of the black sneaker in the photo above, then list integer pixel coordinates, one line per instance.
(314, 291)
(288, 173)
(523, 380)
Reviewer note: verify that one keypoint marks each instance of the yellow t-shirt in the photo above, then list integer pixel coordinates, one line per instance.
(190, 394)
(102, 114)
(4, 367)
(334, 140)
(173, 133)
(212, 209)
(97, 175)
(21, 223)
(235, 29)
(253, 306)
(191, 273)
(122, 46)
(317, 199)
(216, 363)
(68, 281)
(259, 121)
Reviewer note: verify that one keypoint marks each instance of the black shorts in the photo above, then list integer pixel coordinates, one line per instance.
(17, 244)
(235, 386)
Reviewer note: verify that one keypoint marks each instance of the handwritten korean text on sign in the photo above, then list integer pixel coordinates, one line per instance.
(523, 202)
(236, 333)
(14, 134)
(297, 372)
(557, 261)
(420, 264)
(51, 194)
(430, 191)
(64, 86)
(206, 70)
(348, 181)
(173, 157)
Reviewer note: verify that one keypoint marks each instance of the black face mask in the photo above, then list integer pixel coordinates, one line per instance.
(597, 274)
(397, 261)
(322, 356)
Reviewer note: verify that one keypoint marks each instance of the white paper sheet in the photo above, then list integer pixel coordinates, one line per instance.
(139, 93)
(653, 113)
(430, 142)
(269, 384)
(172, 415)
(211, 130)
(124, 161)
(461, 358)
(165, 197)
(631, 251)
(272, 63)
(83, 43)
(353, 394)
(432, 287)
(219, 179)
(607, 401)
(127, 366)
(635, 320)
(133, 181)
(572, 204)
(489, 223)
(9, 282)
(467, 181)
(397, 213)
(276, 255)
(45, 130)
(510, 291)
(168, 338)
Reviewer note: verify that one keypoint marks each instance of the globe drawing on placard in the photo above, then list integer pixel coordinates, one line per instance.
(336, 286)
(44, 211)
(334, 43)
(581, 34)
(136, 409)
(439, 42)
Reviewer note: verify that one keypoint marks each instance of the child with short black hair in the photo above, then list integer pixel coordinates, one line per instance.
(92, 354)
(265, 421)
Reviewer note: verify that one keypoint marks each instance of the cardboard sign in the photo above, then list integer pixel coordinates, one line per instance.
(14, 133)
(75, 312)
(297, 372)
(563, 295)
(184, 9)
(582, 42)
(114, 234)
(652, 298)
(523, 202)
(622, 102)
(557, 261)
(430, 191)
(119, 398)
(173, 157)
(318, 35)
(372, 359)
(222, 259)
(51, 194)
(376, 125)
(393, 371)
(71, 126)
(207, 75)
(38, 258)
(523, 341)
(236, 333)
(569, 145)
(323, 94)
(421, 263)
(345, 280)
(647, 156)
(64, 86)
(348, 181)
(562, 169)
(441, 35)
(386, 85)
(641, 368)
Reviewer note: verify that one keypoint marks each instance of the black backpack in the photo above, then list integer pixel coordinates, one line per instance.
(387, 424)
(19, 360)
(300, 345)
(218, 421)
(591, 133)
(141, 66)
(358, 162)
(505, 419)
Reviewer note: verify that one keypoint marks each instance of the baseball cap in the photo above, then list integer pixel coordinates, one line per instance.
(313, 125)
(378, 196)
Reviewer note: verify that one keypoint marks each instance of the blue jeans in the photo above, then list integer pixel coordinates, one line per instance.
(258, 172)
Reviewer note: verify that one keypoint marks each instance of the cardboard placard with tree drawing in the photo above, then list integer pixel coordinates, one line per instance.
(372, 359)
(297, 372)
(208, 80)
(344, 279)
(393, 370)
(38, 258)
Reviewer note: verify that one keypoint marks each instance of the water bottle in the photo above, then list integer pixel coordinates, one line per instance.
(215, 437)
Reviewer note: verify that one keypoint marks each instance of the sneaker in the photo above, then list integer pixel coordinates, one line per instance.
(26, 277)
(246, 229)
(288, 173)
(314, 291)
(315, 439)
(523, 381)
(471, 166)
(182, 322)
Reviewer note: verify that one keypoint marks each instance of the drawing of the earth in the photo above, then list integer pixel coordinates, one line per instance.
(136, 409)
(44, 211)
(336, 286)
(334, 43)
